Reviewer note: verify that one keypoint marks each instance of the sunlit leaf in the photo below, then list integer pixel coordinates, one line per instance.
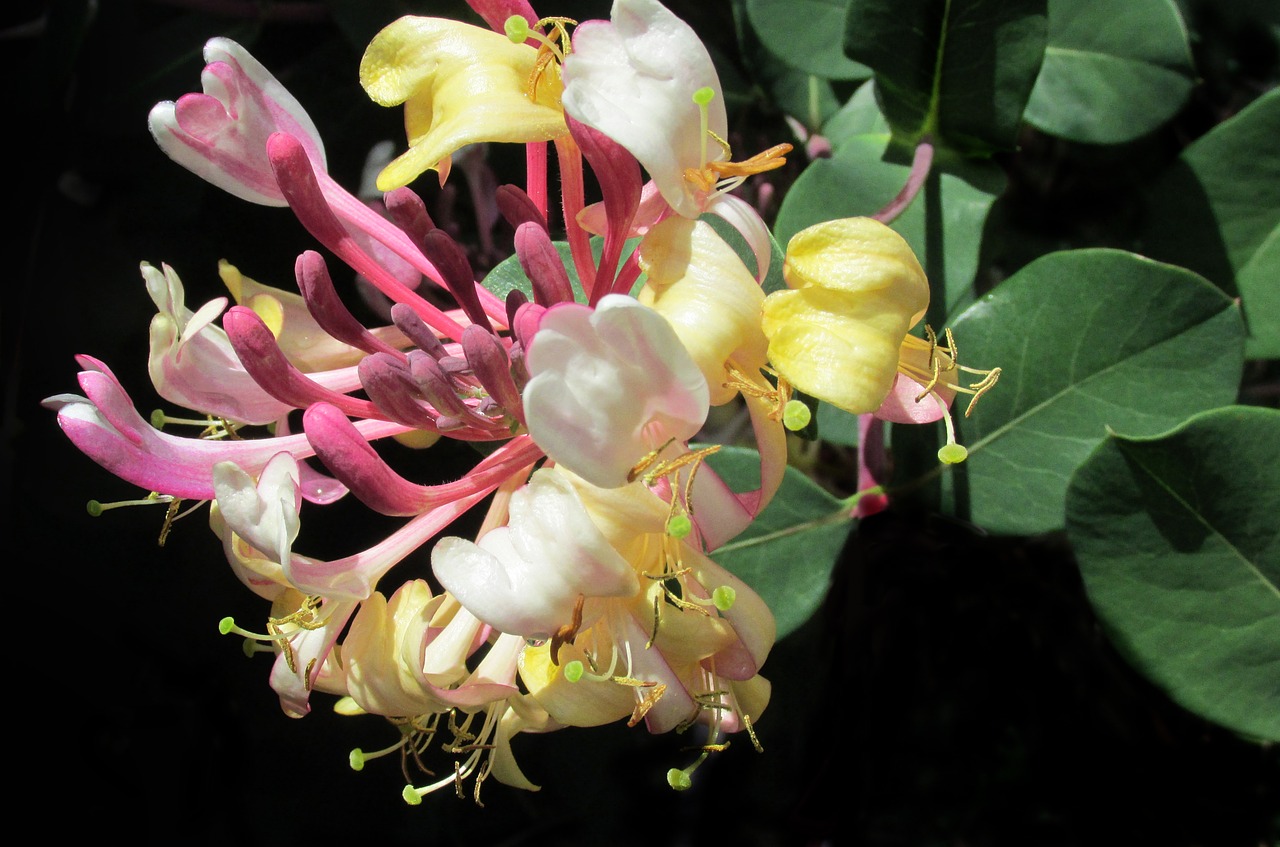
(1217, 211)
(806, 34)
(1087, 339)
(1178, 540)
(1108, 77)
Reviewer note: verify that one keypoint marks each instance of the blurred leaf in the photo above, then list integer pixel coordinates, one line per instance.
(957, 70)
(1111, 74)
(943, 225)
(1087, 339)
(860, 115)
(806, 34)
(774, 84)
(787, 554)
(1217, 211)
(1178, 540)
(836, 425)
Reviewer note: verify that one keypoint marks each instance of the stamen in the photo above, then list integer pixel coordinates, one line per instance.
(565, 634)
(551, 48)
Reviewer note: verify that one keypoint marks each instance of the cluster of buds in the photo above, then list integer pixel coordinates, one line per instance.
(588, 595)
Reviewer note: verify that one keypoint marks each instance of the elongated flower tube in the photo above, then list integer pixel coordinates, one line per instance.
(460, 85)
(221, 135)
(855, 289)
(609, 385)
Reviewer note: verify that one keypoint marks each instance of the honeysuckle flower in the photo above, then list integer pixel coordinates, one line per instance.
(855, 289)
(192, 362)
(644, 79)
(696, 281)
(221, 135)
(840, 333)
(460, 85)
(383, 654)
(264, 512)
(524, 578)
(609, 385)
(105, 425)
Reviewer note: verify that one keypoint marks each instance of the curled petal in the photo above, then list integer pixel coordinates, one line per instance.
(698, 283)
(264, 512)
(525, 578)
(460, 85)
(647, 62)
(221, 135)
(608, 386)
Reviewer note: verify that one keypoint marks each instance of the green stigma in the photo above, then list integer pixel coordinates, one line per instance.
(678, 779)
(952, 453)
(356, 759)
(704, 95)
(796, 415)
(94, 508)
(226, 625)
(724, 597)
(679, 526)
(411, 796)
(158, 418)
(517, 30)
(573, 671)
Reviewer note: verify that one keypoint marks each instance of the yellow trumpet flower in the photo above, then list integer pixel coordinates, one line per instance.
(460, 85)
(836, 334)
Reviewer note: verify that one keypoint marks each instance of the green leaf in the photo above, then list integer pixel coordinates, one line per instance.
(1087, 339)
(1111, 74)
(1178, 540)
(788, 553)
(959, 71)
(1217, 211)
(508, 275)
(943, 224)
(859, 115)
(806, 34)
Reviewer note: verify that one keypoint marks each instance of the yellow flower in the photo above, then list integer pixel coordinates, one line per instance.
(697, 282)
(460, 85)
(836, 334)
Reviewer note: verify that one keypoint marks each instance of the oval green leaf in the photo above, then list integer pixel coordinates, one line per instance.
(806, 34)
(1111, 73)
(959, 71)
(788, 553)
(1178, 540)
(1087, 339)
(1217, 211)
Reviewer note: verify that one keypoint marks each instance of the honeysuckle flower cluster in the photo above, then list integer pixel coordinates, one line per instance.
(590, 594)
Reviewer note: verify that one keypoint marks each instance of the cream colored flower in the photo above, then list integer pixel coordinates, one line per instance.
(460, 85)
(836, 334)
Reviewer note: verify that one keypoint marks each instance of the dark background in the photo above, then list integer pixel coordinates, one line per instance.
(955, 690)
